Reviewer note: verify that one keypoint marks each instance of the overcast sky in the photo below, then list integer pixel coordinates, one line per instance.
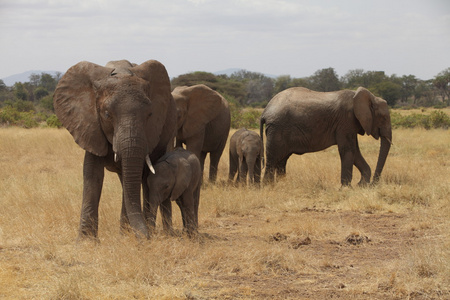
(278, 37)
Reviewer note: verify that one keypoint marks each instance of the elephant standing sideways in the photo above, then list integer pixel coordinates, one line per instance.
(203, 123)
(299, 120)
(246, 155)
(177, 178)
(122, 115)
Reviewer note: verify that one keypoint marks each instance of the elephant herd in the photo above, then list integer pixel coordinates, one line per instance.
(128, 121)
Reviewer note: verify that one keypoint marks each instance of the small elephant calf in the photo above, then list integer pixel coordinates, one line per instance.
(177, 178)
(246, 155)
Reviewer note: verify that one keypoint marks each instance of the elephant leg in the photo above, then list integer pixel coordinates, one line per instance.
(166, 215)
(93, 174)
(362, 166)
(243, 170)
(269, 173)
(214, 158)
(257, 171)
(188, 212)
(233, 168)
(150, 217)
(281, 167)
(196, 205)
(347, 151)
(179, 202)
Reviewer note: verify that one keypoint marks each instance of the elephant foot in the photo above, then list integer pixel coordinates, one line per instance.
(83, 238)
(363, 183)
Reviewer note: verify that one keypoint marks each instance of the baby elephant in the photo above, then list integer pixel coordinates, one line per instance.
(177, 178)
(246, 154)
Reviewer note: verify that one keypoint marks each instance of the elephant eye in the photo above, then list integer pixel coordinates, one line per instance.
(107, 114)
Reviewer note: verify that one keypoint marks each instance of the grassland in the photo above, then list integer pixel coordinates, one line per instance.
(304, 237)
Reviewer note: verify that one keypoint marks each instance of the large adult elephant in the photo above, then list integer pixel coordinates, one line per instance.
(122, 115)
(299, 120)
(203, 123)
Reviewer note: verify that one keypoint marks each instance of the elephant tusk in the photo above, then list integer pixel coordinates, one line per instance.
(115, 157)
(149, 164)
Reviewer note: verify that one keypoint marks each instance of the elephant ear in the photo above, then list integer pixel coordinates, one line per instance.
(363, 109)
(75, 106)
(159, 93)
(204, 104)
(183, 176)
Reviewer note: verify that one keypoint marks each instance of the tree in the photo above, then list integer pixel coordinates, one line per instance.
(19, 91)
(442, 82)
(48, 82)
(40, 92)
(389, 91)
(408, 86)
(281, 83)
(325, 80)
(354, 79)
(3, 86)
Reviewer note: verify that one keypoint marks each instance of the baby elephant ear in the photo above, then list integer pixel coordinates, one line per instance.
(75, 106)
(362, 107)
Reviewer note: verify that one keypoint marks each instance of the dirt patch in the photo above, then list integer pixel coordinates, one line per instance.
(342, 263)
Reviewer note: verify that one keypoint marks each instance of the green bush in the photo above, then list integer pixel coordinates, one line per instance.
(439, 119)
(53, 121)
(436, 119)
(28, 119)
(12, 116)
(9, 115)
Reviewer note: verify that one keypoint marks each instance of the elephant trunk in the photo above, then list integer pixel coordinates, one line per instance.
(132, 154)
(385, 145)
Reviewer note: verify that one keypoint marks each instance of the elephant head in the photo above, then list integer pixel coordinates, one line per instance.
(373, 115)
(172, 177)
(124, 111)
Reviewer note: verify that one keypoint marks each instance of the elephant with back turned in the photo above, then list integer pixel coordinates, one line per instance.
(299, 121)
(203, 123)
(123, 115)
(246, 156)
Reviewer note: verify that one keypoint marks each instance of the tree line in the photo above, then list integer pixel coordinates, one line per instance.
(255, 89)
(30, 103)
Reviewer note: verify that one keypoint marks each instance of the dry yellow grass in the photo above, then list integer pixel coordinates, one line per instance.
(283, 241)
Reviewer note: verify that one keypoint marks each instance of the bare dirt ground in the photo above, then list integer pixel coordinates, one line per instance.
(341, 264)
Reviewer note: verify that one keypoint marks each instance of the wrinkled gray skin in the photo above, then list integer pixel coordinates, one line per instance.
(203, 123)
(120, 114)
(246, 155)
(177, 178)
(299, 121)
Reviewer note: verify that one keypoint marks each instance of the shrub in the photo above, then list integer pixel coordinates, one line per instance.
(9, 115)
(439, 119)
(436, 119)
(53, 121)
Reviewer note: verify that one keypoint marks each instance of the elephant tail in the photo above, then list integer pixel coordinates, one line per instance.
(262, 121)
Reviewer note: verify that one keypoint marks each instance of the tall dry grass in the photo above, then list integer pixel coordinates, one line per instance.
(40, 199)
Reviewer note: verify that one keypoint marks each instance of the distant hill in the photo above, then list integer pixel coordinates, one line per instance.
(25, 76)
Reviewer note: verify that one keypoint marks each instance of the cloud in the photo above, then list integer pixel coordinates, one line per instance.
(271, 36)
